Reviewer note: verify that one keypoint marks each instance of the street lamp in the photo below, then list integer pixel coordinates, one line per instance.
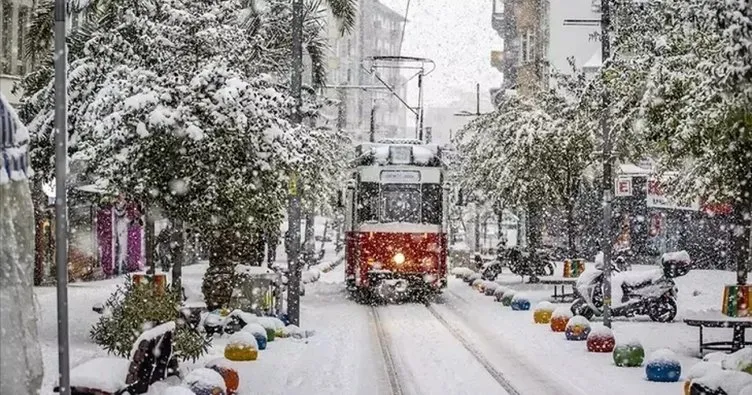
(604, 23)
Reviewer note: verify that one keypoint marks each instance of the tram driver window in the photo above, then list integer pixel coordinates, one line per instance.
(368, 202)
(432, 213)
(400, 203)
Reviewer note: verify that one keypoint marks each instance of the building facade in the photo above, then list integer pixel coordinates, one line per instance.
(14, 20)
(537, 39)
(361, 96)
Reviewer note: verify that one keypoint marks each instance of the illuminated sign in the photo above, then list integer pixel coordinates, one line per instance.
(401, 155)
(623, 186)
(400, 177)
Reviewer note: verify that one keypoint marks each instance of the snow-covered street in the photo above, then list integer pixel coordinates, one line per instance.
(461, 343)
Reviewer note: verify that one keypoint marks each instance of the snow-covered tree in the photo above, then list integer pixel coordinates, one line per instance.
(692, 64)
(531, 152)
(177, 105)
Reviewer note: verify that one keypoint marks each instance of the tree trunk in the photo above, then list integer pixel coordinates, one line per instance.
(178, 238)
(571, 229)
(40, 215)
(226, 249)
(308, 240)
(742, 237)
(534, 225)
(149, 241)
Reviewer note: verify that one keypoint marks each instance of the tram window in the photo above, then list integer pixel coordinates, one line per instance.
(400, 203)
(432, 213)
(368, 202)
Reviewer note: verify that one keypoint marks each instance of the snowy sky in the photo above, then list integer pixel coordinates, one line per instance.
(458, 36)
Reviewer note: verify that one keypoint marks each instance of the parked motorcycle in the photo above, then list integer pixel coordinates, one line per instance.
(522, 263)
(650, 292)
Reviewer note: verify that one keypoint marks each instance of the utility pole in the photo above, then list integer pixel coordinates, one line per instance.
(608, 160)
(61, 191)
(293, 212)
(607, 164)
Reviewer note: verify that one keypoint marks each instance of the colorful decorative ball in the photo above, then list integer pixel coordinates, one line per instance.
(542, 313)
(559, 319)
(499, 293)
(477, 284)
(577, 329)
(204, 381)
(230, 375)
(259, 333)
(241, 346)
(520, 302)
(601, 339)
(663, 366)
(506, 300)
(629, 354)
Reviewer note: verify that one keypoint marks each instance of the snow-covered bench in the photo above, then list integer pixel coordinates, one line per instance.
(150, 361)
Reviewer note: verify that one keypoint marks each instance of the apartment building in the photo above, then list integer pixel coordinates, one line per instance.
(537, 39)
(377, 33)
(14, 19)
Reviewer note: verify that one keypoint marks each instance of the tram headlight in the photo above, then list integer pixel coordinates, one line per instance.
(399, 258)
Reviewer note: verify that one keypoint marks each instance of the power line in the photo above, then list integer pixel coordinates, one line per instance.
(404, 24)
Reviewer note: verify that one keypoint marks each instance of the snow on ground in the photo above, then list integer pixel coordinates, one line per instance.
(569, 363)
(428, 359)
(340, 358)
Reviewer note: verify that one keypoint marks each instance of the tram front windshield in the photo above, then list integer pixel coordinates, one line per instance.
(411, 203)
(400, 203)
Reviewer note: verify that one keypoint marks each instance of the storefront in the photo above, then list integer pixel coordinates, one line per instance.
(650, 223)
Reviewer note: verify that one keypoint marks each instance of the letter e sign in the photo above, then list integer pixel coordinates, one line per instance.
(623, 186)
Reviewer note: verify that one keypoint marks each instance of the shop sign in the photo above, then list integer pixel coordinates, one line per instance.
(657, 199)
(623, 186)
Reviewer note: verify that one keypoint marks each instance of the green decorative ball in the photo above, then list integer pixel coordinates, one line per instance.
(506, 300)
(629, 355)
(270, 334)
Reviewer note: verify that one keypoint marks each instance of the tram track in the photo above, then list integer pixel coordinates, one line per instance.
(396, 376)
(389, 364)
(499, 377)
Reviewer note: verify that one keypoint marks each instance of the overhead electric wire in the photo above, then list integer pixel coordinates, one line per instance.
(404, 24)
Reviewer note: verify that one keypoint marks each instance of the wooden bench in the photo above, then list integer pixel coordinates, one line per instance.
(151, 360)
(718, 320)
(560, 283)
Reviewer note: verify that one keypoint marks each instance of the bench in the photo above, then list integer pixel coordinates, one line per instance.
(151, 360)
(718, 320)
(560, 283)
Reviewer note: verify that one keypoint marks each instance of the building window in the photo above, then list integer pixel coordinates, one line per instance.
(7, 45)
(23, 21)
(498, 6)
(596, 6)
(527, 47)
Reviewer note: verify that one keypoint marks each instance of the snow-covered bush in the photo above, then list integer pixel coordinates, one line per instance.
(133, 309)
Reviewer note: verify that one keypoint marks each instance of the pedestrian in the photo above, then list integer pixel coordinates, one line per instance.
(21, 369)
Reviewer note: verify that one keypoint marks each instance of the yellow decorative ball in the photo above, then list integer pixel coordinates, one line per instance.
(543, 312)
(241, 346)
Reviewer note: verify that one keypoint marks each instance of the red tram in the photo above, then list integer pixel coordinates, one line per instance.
(396, 220)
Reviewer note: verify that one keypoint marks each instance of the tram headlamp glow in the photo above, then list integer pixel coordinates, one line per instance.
(399, 258)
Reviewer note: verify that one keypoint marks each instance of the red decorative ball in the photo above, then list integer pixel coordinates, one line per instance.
(601, 339)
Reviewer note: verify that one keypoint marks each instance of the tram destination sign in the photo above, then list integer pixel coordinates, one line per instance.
(400, 177)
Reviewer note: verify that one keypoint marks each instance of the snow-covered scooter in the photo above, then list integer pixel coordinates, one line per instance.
(641, 292)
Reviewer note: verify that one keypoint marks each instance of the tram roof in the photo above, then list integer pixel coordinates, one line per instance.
(398, 152)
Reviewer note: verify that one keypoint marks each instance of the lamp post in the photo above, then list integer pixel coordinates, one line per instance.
(61, 203)
(605, 24)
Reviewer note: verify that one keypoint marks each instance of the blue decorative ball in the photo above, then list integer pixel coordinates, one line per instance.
(663, 371)
(284, 318)
(261, 340)
(520, 304)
